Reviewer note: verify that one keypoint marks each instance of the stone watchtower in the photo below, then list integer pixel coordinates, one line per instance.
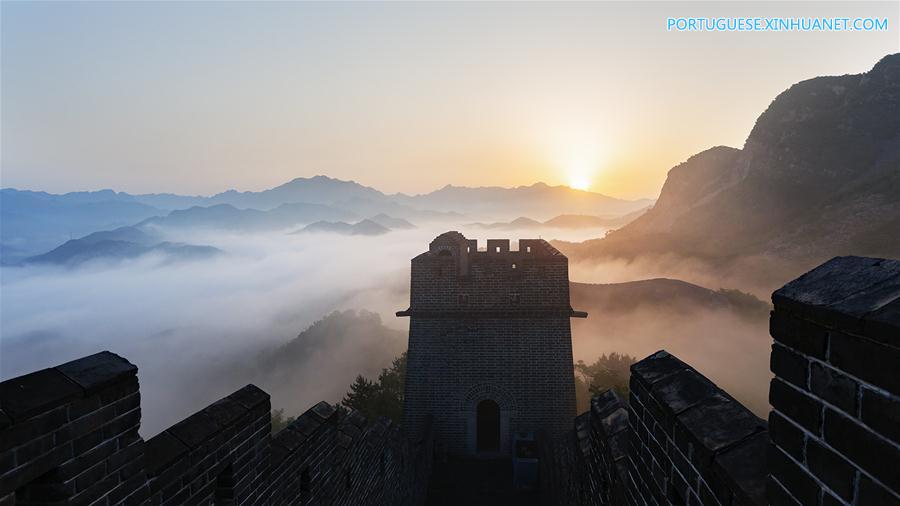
(490, 345)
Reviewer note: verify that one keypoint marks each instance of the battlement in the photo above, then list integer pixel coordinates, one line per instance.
(69, 435)
(832, 436)
(456, 244)
(455, 277)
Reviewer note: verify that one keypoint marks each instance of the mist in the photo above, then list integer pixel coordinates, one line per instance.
(179, 322)
(199, 330)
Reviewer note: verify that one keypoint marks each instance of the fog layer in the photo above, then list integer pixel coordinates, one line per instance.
(200, 330)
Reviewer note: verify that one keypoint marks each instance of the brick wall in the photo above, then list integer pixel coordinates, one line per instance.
(69, 435)
(691, 442)
(679, 440)
(835, 422)
(833, 436)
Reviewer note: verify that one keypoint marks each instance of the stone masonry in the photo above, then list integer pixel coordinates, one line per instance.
(488, 326)
(832, 438)
(69, 435)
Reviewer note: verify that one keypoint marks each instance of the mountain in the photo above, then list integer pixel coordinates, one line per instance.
(364, 227)
(33, 222)
(666, 295)
(120, 244)
(539, 200)
(336, 348)
(314, 190)
(586, 221)
(819, 176)
(571, 221)
(391, 222)
(519, 223)
(228, 217)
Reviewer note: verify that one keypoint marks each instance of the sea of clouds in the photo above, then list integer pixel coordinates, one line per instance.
(186, 324)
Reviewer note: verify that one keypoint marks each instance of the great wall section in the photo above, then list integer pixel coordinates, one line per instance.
(69, 434)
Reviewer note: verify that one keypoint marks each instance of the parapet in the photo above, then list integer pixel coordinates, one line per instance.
(455, 244)
(833, 435)
(455, 277)
(835, 419)
(69, 435)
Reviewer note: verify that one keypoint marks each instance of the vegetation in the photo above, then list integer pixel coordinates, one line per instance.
(745, 304)
(608, 372)
(383, 397)
(279, 421)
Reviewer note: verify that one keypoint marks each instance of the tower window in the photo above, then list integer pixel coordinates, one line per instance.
(497, 249)
(527, 249)
(513, 266)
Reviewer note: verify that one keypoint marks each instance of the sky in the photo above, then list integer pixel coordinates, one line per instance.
(200, 97)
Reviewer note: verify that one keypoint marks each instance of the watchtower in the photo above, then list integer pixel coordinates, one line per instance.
(490, 344)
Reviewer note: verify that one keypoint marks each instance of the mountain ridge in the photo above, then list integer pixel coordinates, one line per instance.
(817, 177)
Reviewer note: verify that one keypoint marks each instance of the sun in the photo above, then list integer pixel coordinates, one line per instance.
(580, 174)
(579, 182)
(579, 166)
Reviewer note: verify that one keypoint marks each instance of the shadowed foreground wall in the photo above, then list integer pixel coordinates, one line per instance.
(833, 436)
(69, 435)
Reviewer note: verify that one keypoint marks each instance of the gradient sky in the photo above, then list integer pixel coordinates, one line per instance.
(201, 97)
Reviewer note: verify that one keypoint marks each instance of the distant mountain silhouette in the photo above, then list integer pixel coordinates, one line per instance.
(364, 227)
(819, 176)
(313, 190)
(34, 222)
(228, 217)
(391, 222)
(120, 244)
(538, 200)
(572, 221)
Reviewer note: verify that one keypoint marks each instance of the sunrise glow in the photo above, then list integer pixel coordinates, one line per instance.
(579, 181)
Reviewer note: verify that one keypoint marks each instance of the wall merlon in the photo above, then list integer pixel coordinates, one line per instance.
(856, 294)
(94, 372)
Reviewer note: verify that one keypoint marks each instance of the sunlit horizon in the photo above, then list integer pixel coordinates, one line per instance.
(198, 98)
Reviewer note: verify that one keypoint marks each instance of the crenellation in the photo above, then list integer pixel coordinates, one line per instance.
(80, 444)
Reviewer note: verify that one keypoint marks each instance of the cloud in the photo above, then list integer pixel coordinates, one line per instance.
(196, 330)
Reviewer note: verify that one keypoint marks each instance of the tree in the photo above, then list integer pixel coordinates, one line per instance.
(362, 395)
(279, 421)
(379, 398)
(611, 371)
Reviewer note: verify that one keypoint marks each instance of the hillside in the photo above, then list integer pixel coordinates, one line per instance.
(664, 295)
(724, 333)
(120, 244)
(817, 177)
(364, 227)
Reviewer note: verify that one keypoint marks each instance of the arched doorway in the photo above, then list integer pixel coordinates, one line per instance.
(487, 426)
